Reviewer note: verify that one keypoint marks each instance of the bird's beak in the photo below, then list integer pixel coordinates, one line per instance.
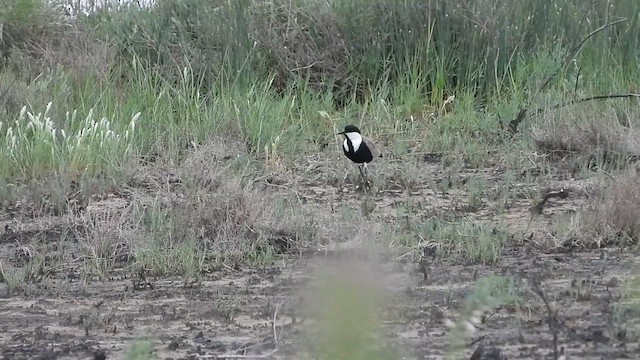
(341, 133)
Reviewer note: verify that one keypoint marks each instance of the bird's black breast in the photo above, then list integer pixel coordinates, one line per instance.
(363, 155)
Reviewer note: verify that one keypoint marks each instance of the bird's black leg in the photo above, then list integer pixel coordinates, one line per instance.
(365, 178)
(361, 172)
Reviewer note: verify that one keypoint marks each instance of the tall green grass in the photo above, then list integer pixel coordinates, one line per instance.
(33, 146)
(470, 45)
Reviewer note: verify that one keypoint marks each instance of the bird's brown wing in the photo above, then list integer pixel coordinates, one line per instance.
(373, 147)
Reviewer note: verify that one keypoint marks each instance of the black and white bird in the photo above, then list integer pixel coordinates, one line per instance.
(359, 148)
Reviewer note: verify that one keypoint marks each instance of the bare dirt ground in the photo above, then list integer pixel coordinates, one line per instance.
(258, 312)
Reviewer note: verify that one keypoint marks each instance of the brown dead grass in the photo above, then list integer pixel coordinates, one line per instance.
(610, 217)
(208, 166)
(43, 37)
(615, 216)
(301, 43)
(201, 209)
(586, 134)
(597, 137)
(235, 216)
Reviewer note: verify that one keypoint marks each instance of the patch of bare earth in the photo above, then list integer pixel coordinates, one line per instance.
(257, 312)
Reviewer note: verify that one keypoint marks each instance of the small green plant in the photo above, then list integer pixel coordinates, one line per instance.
(14, 278)
(505, 192)
(475, 191)
(458, 238)
(141, 350)
(488, 292)
(475, 154)
(626, 312)
(35, 268)
(185, 259)
(470, 241)
(346, 305)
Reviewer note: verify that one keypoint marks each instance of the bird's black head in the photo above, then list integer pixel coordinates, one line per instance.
(350, 129)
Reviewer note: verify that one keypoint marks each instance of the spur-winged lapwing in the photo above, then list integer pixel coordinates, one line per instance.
(359, 149)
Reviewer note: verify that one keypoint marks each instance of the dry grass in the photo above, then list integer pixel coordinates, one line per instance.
(27, 23)
(596, 138)
(611, 217)
(190, 218)
(301, 43)
(588, 135)
(615, 216)
(39, 36)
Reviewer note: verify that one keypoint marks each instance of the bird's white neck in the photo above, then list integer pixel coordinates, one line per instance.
(356, 140)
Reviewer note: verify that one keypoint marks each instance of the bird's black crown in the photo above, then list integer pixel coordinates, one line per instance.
(351, 129)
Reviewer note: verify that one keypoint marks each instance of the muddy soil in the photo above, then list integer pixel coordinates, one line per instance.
(260, 313)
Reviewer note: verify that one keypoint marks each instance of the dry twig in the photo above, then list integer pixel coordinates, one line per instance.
(553, 320)
(273, 324)
(539, 206)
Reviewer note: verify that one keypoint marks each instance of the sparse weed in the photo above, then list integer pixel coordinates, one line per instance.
(104, 247)
(626, 311)
(185, 259)
(566, 230)
(466, 240)
(506, 192)
(581, 289)
(141, 350)
(488, 292)
(14, 278)
(36, 267)
(235, 224)
(367, 206)
(407, 213)
(346, 305)
(475, 191)
(471, 241)
(475, 154)
(451, 179)
(405, 177)
(610, 217)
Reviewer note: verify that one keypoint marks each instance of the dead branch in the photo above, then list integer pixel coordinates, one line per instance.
(590, 98)
(4, 93)
(482, 353)
(475, 341)
(539, 206)
(274, 326)
(571, 55)
(236, 356)
(552, 318)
